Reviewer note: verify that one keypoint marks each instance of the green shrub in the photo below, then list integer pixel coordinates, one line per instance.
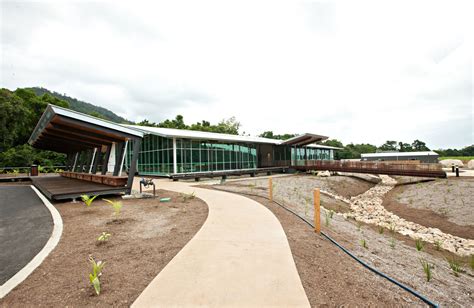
(96, 273)
(381, 230)
(471, 262)
(327, 220)
(363, 243)
(438, 244)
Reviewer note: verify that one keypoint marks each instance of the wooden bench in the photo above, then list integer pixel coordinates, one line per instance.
(116, 181)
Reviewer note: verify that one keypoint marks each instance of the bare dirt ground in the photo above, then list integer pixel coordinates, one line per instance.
(389, 252)
(147, 235)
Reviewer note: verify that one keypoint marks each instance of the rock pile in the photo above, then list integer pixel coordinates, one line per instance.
(470, 164)
(368, 208)
(447, 163)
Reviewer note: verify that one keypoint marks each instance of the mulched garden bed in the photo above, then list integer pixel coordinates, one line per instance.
(144, 238)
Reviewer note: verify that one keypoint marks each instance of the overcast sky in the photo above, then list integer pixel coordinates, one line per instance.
(356, 71)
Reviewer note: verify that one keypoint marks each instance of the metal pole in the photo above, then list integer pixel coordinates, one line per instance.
(123, 157)
(92, 160)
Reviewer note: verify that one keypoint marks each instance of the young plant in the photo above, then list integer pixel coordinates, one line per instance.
(455, 266)
(427, 269)
(187, 197)
(392, 243)
(363, 243)
(96, 273)
(393, 229)
(331, 213)
(359, 225)
(471, 262)
(438, 244)
(327, 221)
(104, 237)
(419, 244)
(87, 200)
(381, 230)
(117, 205)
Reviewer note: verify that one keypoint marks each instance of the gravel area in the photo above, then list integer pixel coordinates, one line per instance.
(452, 198)
(390, 252)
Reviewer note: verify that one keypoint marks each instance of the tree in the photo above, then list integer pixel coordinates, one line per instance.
(389, 145)
(404, 147)
(418, 145)
(269, 134)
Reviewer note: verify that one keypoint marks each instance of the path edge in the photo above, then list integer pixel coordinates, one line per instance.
(53, 241)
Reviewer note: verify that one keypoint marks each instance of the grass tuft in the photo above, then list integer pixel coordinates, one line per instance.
(427, 269)
(419, 244)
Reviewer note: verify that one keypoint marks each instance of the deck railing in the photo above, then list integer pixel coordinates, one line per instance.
(394, 168)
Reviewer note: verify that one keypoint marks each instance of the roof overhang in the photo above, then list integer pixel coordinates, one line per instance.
(304, 139)
(66, 131)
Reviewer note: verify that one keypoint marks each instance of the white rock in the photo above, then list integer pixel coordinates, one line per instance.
(470, 164)
(324, 173)
(447, 163)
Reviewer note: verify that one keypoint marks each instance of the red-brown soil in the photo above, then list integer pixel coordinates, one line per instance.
(148, 236)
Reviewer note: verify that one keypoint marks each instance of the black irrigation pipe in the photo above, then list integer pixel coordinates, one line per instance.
(373, 269)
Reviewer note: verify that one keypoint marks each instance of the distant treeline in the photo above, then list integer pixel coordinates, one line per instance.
(21, 109)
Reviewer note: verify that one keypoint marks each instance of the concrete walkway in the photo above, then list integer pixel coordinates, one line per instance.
(240, 257)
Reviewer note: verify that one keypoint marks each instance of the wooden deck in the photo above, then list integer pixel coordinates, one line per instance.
(60, 188)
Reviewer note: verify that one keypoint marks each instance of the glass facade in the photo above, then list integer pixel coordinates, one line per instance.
(156, 155)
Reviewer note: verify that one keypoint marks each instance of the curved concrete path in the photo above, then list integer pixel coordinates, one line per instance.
(240, 257)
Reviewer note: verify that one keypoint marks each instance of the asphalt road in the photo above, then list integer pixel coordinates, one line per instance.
(25, 227)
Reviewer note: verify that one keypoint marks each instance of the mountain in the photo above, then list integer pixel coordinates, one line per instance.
(83, 107)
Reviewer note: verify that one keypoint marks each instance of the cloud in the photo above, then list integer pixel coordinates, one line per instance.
(356, 71)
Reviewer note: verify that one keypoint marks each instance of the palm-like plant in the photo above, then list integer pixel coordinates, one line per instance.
(117, 205)
(87, 199)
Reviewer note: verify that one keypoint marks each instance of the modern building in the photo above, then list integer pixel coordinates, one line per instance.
(424, 157)
(166, 151)
(96, 145)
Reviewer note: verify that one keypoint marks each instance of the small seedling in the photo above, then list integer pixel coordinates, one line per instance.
(104, 237)
(455, 266)
(427, 269)
(381, 230)
(96, 273)
(438, 244)
(363, 243)
(392, 243)
(331, 213)
(327, 220)
(419, 244)
(359, 225)
(393, 229)
(88, 200)
(186, 197)
(471, 262)
(117, 205)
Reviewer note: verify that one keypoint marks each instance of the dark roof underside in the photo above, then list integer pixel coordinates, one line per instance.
(304, 139)
(65, 131)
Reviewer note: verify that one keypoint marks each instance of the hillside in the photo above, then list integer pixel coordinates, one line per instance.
(83, 107)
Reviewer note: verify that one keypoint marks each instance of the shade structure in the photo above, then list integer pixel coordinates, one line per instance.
(66, 131)
(304, 139)
(89, 142)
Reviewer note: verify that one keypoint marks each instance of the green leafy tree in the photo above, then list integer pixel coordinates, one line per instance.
(418, 145)
(389, 145)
